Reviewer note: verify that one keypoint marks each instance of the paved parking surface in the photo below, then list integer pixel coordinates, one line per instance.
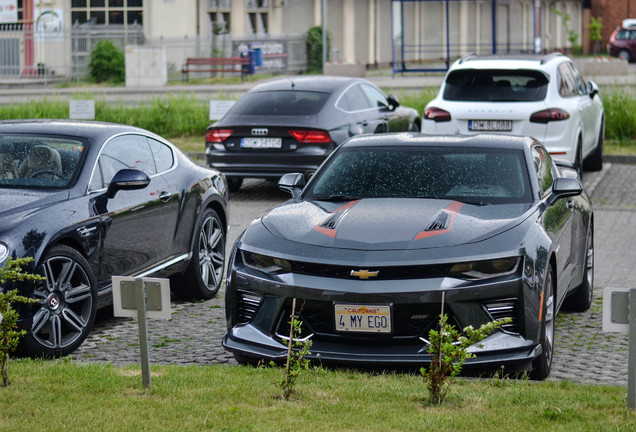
(583, 352)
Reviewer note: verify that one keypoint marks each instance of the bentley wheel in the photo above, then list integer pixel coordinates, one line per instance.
(67, 302)
(205, 272)
(543, 363)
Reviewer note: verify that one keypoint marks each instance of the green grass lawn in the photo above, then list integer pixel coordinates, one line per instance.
(62, 395)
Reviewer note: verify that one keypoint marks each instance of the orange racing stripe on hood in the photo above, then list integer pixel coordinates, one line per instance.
(452, 210)
(331, 232)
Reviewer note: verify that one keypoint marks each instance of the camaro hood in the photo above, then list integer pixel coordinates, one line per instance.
(391, 223)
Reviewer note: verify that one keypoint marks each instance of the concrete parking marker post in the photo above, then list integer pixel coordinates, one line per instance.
(142, 298)
(619, 315)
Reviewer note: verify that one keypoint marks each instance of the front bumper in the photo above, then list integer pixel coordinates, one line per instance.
(415, 303)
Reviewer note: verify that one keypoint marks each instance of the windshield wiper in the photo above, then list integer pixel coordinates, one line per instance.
(472, 201)
(335, 197)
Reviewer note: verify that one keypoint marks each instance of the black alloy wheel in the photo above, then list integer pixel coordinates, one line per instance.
(66, 304)
(203, 278)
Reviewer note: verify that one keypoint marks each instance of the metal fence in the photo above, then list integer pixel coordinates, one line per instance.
(27, 53)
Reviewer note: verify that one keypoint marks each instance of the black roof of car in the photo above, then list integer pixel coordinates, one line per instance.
(320, 83)
(89, 129)
(417, 139)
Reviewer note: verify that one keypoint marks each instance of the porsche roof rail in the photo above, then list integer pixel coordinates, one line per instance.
(467, 57)
(550, 56)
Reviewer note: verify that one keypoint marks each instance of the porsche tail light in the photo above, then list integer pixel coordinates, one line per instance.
(217, 135)
(310, 136)
(548, 115)
(437, 114)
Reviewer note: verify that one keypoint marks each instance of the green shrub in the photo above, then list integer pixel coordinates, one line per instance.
(107, 63)
(314, 49)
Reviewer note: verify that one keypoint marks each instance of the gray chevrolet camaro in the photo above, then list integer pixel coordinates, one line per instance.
(392, 224)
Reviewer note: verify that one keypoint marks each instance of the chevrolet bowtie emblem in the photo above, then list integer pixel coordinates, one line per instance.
(364, 274)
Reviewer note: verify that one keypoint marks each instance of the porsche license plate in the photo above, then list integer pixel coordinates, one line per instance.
(363, 318)
(490, 125)
(262, 143)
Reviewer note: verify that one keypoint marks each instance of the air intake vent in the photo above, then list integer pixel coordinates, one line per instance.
(332, 220)
(439, 223)
(504, 308)
(248, 305)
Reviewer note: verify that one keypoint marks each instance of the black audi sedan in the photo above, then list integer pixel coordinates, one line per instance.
(90, 200)
(292, 124)
(392, 230)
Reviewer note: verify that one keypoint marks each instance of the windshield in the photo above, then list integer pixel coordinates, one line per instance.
(36, 162)
(284, 102)
(479, 176)
(496, 85)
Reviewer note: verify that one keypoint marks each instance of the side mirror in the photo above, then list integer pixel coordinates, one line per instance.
(393, 102)
(565, 187)
(127, 179)
(292, 183)
(592, 89)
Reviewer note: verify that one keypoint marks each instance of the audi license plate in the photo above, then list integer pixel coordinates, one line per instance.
(363, 318)
(262, 143)
(490, 125)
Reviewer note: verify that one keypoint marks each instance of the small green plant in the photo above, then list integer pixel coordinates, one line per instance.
(573, 37)
(296, 354)
(595, 28)
(107, 63)
(9, 335)
(449, 348)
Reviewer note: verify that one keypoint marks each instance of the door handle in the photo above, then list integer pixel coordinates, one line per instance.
(363, 123)
(164, 196)
(570, 204)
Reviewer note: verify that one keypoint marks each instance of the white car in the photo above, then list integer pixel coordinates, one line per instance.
(543, 96)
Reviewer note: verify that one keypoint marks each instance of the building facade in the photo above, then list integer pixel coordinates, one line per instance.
(370, 32)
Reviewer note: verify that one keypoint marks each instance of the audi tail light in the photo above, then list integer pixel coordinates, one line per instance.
(437, 114)
(217, 135)
(310, 136)
(548, 115)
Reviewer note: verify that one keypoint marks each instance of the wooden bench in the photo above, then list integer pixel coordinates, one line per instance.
(216, 64)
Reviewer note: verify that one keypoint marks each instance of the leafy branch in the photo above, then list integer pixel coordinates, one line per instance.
(9, 335)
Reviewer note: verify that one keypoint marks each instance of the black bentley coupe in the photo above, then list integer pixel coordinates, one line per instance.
(90, 200)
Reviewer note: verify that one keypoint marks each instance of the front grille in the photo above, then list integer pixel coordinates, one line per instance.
(504, 308)
(384, 273)
(248, 305)
(410, 321)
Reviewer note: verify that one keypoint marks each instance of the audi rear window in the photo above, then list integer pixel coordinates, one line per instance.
(276, 103)
(496, 85)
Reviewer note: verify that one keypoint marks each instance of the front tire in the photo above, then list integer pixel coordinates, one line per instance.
(67, 303)
(542, 365)
(204, 275)
(581, 299)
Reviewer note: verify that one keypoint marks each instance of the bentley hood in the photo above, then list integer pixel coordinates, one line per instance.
(392, 223)
(17, 204)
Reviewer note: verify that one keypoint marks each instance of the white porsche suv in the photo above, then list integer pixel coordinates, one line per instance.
(543, 96)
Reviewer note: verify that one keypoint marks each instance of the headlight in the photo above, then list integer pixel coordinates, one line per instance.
(485, 269)
(265, 264)
(4, 252)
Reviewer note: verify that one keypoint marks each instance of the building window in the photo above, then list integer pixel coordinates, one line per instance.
(219, 13)
(257, 16)
(115, 12)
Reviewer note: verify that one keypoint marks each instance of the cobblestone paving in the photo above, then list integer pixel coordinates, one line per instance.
(583, 352)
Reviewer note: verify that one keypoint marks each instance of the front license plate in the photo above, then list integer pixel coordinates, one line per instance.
(490, 125)
(262, 143)
(363, 318)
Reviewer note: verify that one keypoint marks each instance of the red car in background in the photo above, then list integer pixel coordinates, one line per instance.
(622, 43)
